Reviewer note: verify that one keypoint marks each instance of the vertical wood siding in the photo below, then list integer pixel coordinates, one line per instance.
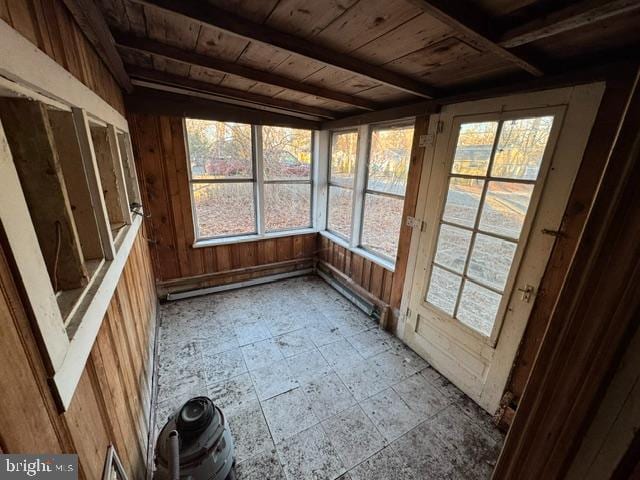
(161, 162)
(49, 25)
(112, 401)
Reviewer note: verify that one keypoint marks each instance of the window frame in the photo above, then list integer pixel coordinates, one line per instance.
(258, 181)
(329, 184)
(360, 190)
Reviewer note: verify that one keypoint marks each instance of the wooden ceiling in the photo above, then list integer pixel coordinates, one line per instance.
(325, 59)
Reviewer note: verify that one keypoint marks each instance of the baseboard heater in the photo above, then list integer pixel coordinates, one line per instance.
(376, 309)
(233, 286)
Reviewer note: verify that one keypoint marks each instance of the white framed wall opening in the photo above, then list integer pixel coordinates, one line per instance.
(248, 181)
(366, 183)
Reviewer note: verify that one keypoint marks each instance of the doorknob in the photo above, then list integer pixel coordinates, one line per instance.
(527, 293)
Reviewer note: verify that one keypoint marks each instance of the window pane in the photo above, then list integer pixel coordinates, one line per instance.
(463, 199)
(381, 224)
(344, 148)
(478, 307)
(224, 209)
(286, 153)
(505, 207)
(443, 289)
(287, 206)
(389, 159)
(339, 214)
(473, 150)
(521, 147)
(219, 149)
(491, 260)
(453, 245)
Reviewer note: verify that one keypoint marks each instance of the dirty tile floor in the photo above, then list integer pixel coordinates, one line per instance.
(313, 389)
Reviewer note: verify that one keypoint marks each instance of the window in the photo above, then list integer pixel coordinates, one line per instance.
(491, 181)
(387, 171)
(365, 199)
(239, 189)
(342, 170)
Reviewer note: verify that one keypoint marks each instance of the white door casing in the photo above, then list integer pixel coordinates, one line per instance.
(480, 364)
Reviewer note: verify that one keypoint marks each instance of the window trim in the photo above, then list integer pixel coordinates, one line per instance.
(258, 181)
(360, 190)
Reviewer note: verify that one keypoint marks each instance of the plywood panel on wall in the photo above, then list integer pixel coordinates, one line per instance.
(112, 401)
(49, 25)
(161, 162)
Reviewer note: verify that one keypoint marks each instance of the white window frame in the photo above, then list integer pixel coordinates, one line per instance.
(360, 189)
(30, 73)
(258, 182)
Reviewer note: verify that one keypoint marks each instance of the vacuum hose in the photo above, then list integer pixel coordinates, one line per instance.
(174, 456)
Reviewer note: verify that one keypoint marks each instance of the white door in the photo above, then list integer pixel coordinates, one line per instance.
(496, 181)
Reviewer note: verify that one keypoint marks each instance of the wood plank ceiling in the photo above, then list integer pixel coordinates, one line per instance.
(328, 59)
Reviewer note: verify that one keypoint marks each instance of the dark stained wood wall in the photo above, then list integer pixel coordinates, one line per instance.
(112, 400)
(161, 162)
(49, 25)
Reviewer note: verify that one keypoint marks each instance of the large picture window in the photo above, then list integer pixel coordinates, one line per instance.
(248, 180)
(366, 189)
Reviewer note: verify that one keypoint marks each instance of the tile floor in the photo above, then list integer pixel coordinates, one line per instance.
(312, 389)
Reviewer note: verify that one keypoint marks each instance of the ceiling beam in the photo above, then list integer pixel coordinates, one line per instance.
(240, 97)
(157, 102)
(469, 21)
(208, 15)
(570, 18)
(424, 107)
(193, 58)
(95, 28)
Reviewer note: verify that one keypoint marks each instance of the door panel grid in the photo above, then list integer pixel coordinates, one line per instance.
(490, 185)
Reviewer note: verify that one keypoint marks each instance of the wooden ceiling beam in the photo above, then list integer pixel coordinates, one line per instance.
(90, 20)
(211, 16)
(468, 20)
(240, 97)
(566, 19)
(193, 58)
(145, 100)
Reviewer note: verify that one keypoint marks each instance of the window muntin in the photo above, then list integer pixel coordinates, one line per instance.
(386, 183)
(483, 216)
(241, 185)
(342, 171)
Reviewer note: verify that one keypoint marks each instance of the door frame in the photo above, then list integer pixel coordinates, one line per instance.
(582, 103)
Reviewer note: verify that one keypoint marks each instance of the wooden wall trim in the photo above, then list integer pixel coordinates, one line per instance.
(591, 324)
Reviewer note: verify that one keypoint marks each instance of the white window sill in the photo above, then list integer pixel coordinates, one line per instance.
(383, 262)
(212, 242)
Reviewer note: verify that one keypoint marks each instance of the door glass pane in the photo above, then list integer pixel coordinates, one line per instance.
(286, 153)
(463, 199)
(381, 224)
(339, 212)
(443, 289)
(521, 147)
(219, 149)
(224, 209)
(478, 307)
(389, 159)
(287, 206)
(491, 260)
(473, 150)
(505, 207)
(343, 158)
(453, 245)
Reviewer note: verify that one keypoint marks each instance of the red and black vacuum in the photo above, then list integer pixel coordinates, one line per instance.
(195, 444)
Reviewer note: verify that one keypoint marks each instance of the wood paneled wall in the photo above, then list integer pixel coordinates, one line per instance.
(112, 401)
(377, 280)
(161, 162)
(49, 25)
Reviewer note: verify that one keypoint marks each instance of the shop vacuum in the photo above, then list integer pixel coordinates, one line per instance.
(195, 444)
